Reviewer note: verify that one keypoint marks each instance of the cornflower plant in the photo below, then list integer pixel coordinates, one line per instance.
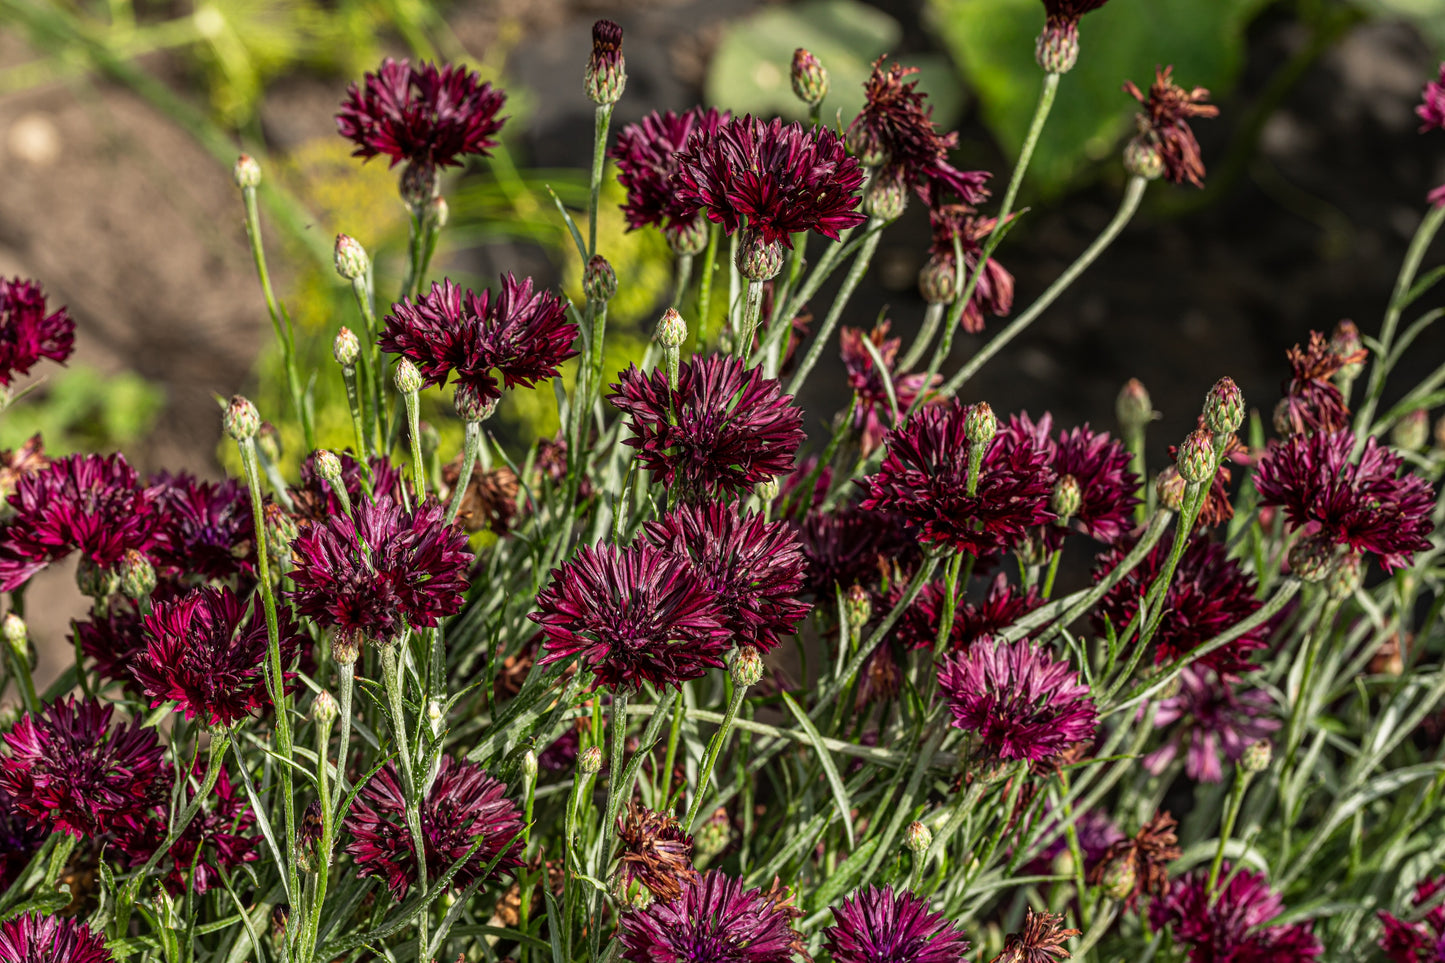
(698, 695)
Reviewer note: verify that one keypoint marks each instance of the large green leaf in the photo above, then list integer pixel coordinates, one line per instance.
(993, 43)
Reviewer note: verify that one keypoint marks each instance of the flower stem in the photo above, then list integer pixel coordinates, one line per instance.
(874, 231)
(25, 682)
(220, 741)
(413, 424)
(617, 722)
(945, 618)
(752, 310)
(470, 447)
(345, 676)
(280, 321)
(306, 951)
(714, 749)
(1309, 657)
(682, 276)
(931, 319)
(704, 289)
(601, 119)
(373, 372)
(355, 402)
(1231, 814)
(391, 675)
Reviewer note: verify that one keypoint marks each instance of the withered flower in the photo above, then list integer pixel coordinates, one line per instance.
(1142, 861)
(1040, 941)
(655, 851)
(1164, 126)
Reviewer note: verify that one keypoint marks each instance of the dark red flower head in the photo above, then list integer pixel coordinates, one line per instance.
(753, 568)
(216, 841)
(723, 429)
(873, 412)
(851, 546)
(634, 615)
(201, 654)
(1422, 942)
(388, 567)
(1016, 701)
(86, 503)
(647, 163)
(781, 178)
(1164, 125)
(464, 805)
(939, 280)
(521, 334)
(1234, 924)
(1070, 9)
(1373, 504)
(205, 528)
(424, 115)
(1431, 110)
(1040, 941)
(715, 920)
(73, 772)
(876, 924)
(113, 640)
(1001, 607)
(1312, 402)
(924, 478)
(895, 131)
(33, 938)
(1208, 594)
(1146, 856)
(27, 333)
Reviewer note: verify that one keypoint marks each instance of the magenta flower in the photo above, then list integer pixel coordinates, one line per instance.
(205, 652)
(1422, 942)
(781, 178)
(19, 840)
(1373, 504)
(1066, 10)
(724, 428)
(994, 291)
(1214, 719)
(634, 615)
(33, 938)
(715, 920)
(1234, 925)
(464, 805)
(1208, 594)
(113, 640)
(422, 114)
(216, 841)
(873, 413)
(521, 334)
(1164, 125)
(1108, 489)
(205, 528)
(647, 163)
(1431, 110)
(876, 924)
(315, 500)
(1001, 607)
(851, 546)
(73, 772)
(85, 503)
(1016, 701)
(924, 478)
(27, 333)
(389, 567)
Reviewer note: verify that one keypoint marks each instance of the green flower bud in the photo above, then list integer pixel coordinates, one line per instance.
(886, 198)
(1057, 48)
(1312, 558)
(324, 710)
(241, 419)
(810, 80)
(136, 574)
(268, 442)
(712, 836)
(471, 406)
(17, 636)
(419, 184)
(406, 377)
(1346, 577)
(246, 173)
(979, 425)
(606, 75)
(351, 260)
(437, 213)
(766, 490)
(1412, 432)
(1257, 756)
(529, 766)
(747, 667)
(672, 329)
(1133, 407)
(759, 260)
(689, 237)
(1224, 407)
(857, 607)
(328, 467)
(1169, 486)
(1196, 457)
(1118, 878)
(918, 837)
(1142, 159)
(345, 647)
(1347, 343)
(589, 761)
(599, 281)
(96, 582)
(345, 349)
(1066, 498)
(937, 280)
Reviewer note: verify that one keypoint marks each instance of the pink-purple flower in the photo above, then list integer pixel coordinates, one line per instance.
(647, 163)
(715, 920)
(1213, 719)
(879, 923)
(113, 639)
(425, 115)
(1233, 925)
(217, 840)
(27, 332)
(32, 938)
(1404, 941)
(205, 529)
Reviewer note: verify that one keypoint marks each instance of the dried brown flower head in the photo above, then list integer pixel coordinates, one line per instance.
(490, 500)
(1164, 125)
(1148, 855)
(1040, 941)
(655, 851)
(28, 459)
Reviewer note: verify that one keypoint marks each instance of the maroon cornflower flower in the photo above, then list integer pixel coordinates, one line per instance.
(880, 924)
(1164, 125)
(1431, 110)
(1016, 701)
(27, 333)
(19, 840)
(781, 178)
(1214, 719)
(850, 546)
(522, 334)
(113, 640)
(635, 615)
(1422, 942)
(365, 577)
(424, 115)
(33, 938)
(1374, 504)
(1001, 607)
(1040, 941)
(73, 772)
(895, 131)
(1057, 49)
(314, 500)
(1108, 489)
(201, 654)
(924, 478)
(751, 567)
(715, 920)
(1208, 594)
(723, 429)
(1065, 10)
(1143, 858)
(464, 805)
(211, 846)
(654, 851)
(647, 163)
(873, 412)
(1312, 402)
(939, 281)
(1233, 925)
(205, 528)
(86, 503)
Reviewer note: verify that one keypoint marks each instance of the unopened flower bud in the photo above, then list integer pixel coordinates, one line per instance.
(857, 607)
(747, 667)
(864, 144)
(529, 766)
(919, 838)
(1345, 578)
(324, 710)
(589, 761)
(1346, 342)
(406, 377)
(1142, 159)
(241, 419)
(1196, 457)
(246, 173)
(938, 281)
(759, 259)
(1118, 878)
(345, 647)
(419, 184)
(1169, 487)
(471, 406)
(1257, 756)
(328, 467)
(434, 714)
(599, 281)
(95, 581)
(687, 237)
(437, 213)
(980, 425)
(345, 349)
(16, 635)
(351, 260)
(1066, 498)
(1282, 418)
(810, 80)
(1224, 407)
(672, 329)
(1057, 47)
(1439, 434)
(886, 198)
(606, 75)
(712, 836)
(1412, 432)
(268, 442)
(767, 489)
(281, 531)
(1312, 558)
(137, 575)
(1133, 407)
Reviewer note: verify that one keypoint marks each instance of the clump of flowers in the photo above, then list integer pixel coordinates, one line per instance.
(715, 918)
(1234, 923)
(1416, 942)
(27, 333)
(205, 528)
(211, 846)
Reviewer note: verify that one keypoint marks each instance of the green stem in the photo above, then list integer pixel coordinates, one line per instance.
(945, 618)
(413, 424)
(280, 321)
(1314, 644)
(1031, 140)
(874, 231)
(391, 674)
(601, 120)
(752, 310)
(1231, 814)
(372, 369)
(345, 675)
(594, 381)
(931, 319)
(714, 749)
(683, 275)
(216, 756)
(470, 447)
(1057, 554)
(307, 950)
(704, 289)
(617, 722)
(26, 683)
(356, 404)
